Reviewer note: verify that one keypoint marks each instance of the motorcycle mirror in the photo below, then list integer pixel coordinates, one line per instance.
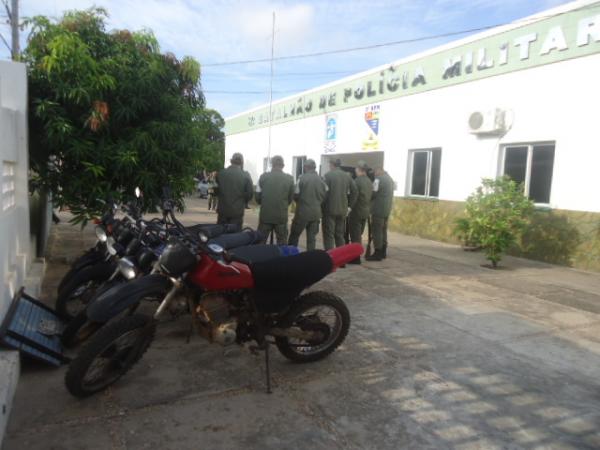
(138, 192)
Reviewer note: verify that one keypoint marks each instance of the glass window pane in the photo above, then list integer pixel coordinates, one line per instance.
(419, 173)
(542, 164)
(515, 163)
(434, 177)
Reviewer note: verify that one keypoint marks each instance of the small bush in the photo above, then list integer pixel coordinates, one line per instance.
(496, 215)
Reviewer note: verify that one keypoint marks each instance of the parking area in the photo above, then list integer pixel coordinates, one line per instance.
(442, 353)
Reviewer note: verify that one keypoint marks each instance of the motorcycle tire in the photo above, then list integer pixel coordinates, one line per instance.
(295, 317)
(79, 330)
(89, 258)
(75, 294)
(104, 349)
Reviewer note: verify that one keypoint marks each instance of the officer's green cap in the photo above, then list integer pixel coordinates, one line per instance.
(310, 163)
(277, 161)
(237, 158)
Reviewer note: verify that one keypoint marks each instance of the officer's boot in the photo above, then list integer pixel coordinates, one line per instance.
(384, 252)
(376, 256)
(355, 261)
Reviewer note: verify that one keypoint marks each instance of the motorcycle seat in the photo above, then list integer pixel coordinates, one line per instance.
(240, 239)
(291, 273)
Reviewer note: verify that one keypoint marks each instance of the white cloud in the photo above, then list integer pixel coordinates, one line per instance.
(229, 30)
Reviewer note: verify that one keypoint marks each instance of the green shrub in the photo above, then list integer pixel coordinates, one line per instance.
(496, 215)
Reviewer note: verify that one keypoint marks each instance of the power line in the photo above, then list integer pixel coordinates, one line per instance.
(388, 44)
(253, 92)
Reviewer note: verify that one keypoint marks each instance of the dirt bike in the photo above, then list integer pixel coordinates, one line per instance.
(231, 300)
(120, 237)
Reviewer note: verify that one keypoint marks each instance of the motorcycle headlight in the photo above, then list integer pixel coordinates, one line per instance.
(101, 234)
(127, 269)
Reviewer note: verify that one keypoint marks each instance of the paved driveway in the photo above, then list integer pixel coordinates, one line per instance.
(442, 353)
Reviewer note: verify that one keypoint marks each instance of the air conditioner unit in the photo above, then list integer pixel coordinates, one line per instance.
(487, 122)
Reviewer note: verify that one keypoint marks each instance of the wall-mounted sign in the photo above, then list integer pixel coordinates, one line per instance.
(372, 122)
(330, 133)
(556, 38)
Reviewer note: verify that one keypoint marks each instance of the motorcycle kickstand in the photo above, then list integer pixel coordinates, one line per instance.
(190, 332)
(268, 368)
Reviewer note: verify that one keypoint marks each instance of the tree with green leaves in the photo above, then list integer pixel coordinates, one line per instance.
(109, 112)
(495, 216)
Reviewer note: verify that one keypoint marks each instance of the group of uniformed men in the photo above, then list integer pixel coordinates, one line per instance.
(332, 198)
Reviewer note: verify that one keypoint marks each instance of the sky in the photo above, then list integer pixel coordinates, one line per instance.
(217, 31)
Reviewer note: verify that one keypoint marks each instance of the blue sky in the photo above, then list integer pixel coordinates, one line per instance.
(231, 30)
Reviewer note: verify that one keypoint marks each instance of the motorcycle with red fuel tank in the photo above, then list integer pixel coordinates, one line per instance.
(231, 300)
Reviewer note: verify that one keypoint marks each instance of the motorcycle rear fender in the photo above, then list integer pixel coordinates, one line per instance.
(122, 296)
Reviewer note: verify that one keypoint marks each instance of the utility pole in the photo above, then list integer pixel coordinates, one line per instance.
(12, 13)
(271, 90)
(14, 25)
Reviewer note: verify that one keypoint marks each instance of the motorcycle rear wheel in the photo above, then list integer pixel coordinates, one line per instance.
(306, 314)
(109, 355)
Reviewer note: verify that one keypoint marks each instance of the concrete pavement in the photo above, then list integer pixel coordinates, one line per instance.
(442, 353)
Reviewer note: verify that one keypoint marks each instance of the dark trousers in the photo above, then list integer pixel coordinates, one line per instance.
(280, 230)
(379, 227)
(312, 229)
(333, 231)
(238, 220)
(356, 228)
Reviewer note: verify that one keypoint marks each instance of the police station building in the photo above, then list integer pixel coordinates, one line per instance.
(522, 99)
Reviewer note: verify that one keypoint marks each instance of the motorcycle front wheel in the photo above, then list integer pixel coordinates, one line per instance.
(321, 312)
(76, 294)
(111, 352)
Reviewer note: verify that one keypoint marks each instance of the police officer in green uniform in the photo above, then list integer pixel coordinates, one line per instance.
(234, 190)
(274, 193)
(381, 207)
(362, 207)
(309, 194)
(341, 194)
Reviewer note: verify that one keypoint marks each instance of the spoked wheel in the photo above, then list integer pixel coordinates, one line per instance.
(81, 288)
(71, 303)
(323, 314)
(110, 354)
(79, 330)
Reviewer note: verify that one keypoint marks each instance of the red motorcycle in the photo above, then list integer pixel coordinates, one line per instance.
(231, 300)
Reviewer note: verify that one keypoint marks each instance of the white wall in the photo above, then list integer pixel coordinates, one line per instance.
(15, 246)
(558, 102)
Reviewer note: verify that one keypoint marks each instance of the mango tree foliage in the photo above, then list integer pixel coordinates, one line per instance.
(109, 112)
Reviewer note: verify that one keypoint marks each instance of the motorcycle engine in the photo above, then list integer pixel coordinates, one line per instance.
(214, 317)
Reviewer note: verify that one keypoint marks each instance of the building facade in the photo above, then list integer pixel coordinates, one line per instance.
(521, 99)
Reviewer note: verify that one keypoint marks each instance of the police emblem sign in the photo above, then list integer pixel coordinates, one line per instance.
(330, 133)
(372, 122)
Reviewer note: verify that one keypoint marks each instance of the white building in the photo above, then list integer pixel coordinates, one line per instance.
(522, 99)
(18, 266)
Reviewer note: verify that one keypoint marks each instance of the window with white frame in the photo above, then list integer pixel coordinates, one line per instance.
(424, 166)
(8, 185)
(532, 165)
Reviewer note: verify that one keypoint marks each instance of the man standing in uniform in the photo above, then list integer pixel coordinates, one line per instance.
(274, 193)
(309, 195)
(362, 207)
(381, 207)
(234, 191)
(341, 193)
